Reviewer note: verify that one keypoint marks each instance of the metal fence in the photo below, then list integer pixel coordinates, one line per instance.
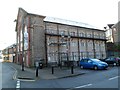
(63, 58)
(113, 53)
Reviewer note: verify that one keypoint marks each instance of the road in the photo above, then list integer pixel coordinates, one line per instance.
(94, 79)
(7, 76)
(0, 76)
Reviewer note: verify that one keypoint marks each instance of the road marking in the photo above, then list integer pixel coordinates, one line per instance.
(26, 80)
(113, 78)
(18, 84)
(79, 87)
(15, 73)
(84, 86)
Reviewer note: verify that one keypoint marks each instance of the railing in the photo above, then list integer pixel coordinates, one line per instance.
(50, 31)
(63, 57)
(75, 34)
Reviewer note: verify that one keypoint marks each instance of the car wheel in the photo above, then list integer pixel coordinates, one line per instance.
(95, 68)
(81, 67)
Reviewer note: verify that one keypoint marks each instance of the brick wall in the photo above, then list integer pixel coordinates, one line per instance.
(37, 39)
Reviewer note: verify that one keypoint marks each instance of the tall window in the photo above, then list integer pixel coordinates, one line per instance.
(83, 44)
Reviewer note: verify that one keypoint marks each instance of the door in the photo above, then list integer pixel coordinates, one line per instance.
(90, 64)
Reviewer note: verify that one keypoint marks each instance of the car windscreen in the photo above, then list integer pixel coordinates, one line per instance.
(96, 60)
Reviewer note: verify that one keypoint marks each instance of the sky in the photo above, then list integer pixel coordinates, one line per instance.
(98, 13)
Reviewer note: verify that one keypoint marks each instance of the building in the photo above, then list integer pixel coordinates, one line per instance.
(113, 42)
(9, 53)
(116, 38)
(113, 33)
(56, 40)
(116, 32)
(0, 54)
(109, 31)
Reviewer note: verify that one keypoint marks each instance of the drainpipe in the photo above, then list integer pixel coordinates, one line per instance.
(29, 41)
(94, 46)
(94, 49)
(78, 48)
(23, 46)
(46, 44)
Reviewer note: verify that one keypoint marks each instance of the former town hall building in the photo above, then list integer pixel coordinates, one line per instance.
(56, 40)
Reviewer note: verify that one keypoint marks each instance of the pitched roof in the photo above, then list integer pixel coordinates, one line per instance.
(69, 22)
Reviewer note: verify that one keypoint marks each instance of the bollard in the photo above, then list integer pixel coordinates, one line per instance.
(40, 65)
(52, 70)
(37, 72)
(72, 72)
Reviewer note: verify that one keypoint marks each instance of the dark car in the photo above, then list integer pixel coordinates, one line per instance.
(93, 64)
(112, 61)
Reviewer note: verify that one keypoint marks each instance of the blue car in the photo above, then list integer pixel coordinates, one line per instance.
(93, 64)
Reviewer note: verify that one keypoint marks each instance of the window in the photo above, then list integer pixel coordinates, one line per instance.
(62, 33)
(89, 34)
(89, 61)
(84, 60)
(72, 33)
(74, 43)
(81, 34)
(82, 44)
(90, 43)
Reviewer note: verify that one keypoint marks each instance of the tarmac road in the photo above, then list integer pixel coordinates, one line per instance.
(94, 79)
(0, 76)
(7, 76)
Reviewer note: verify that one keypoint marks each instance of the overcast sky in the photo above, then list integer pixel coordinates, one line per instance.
(98, 13)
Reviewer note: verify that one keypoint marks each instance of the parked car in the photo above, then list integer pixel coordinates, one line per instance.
(112, 61)
(93, 63)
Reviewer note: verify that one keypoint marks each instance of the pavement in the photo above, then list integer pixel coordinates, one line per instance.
(29, 74)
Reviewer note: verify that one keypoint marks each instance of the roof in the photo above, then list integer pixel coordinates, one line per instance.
(69, 22)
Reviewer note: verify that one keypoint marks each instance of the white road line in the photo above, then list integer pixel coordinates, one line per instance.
(79, 87)
(26, 80)
(18, 84)
(15, 73)
(84, 86)
(113, 78)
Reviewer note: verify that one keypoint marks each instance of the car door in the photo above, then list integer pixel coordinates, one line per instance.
(84, 63)
(90, 63)
(87, 63)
